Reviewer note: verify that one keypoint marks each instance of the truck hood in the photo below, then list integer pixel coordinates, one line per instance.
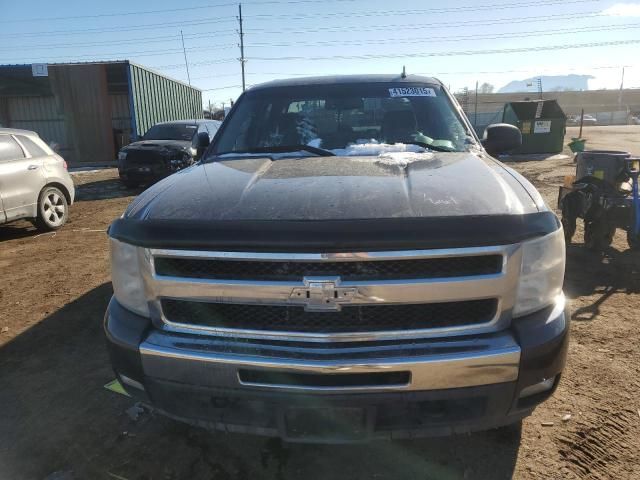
(158, 144)
(399, 185)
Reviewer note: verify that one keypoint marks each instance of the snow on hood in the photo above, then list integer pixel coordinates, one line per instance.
(403, 159)
(399, 154)
(371, 149)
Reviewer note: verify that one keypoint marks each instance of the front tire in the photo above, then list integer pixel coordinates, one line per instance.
(53, 209)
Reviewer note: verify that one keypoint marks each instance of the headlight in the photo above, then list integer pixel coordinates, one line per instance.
(541, 274)
(126, 278)
(122, 155)
(192, 151)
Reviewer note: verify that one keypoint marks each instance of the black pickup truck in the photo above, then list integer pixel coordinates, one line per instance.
(348, 261)
(164, 149)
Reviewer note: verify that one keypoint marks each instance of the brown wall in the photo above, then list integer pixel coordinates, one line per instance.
(82, 93)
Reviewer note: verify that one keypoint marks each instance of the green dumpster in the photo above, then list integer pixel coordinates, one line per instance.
(542, 123)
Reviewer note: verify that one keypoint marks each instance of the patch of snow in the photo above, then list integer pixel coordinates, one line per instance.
(77, 170)
(402, 159)
(373, 149)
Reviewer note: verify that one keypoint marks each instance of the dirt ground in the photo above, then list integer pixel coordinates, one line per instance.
(58, 422)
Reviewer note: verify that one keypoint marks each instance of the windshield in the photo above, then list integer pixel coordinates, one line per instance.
(171, 131)
(352, 119)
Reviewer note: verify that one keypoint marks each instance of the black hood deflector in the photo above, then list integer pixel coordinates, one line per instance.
(334, 235)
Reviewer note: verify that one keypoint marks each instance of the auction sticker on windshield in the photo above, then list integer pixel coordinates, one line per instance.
(412, 92)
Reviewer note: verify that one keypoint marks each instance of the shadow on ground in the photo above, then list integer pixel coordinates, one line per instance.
(103, 190)
(58, 419)
(17, 230)
(602, 273)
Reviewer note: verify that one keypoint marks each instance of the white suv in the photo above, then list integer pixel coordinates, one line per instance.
(34, 182)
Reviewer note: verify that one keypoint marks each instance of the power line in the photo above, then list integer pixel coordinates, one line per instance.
(424, 55)
(448, 38)
(216, 20)
(154, 39)
(453, 24)
(206, 21)
(357, 42)
(221, 88)
(194, 64)
(430, 11)
(207, 77)
(169, 10)
(451, 53)
(471, 72)
(144, 53)
(165, 51)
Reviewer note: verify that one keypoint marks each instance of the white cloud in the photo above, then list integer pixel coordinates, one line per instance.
(623, 10)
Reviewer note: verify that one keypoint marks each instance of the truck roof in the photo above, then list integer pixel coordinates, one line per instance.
(347, 79)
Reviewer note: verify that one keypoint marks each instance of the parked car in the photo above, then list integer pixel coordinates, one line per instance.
(348, 262)
(165, 148)
(34, 181)
(587, 120)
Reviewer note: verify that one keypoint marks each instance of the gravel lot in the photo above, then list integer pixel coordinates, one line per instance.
(58, 422)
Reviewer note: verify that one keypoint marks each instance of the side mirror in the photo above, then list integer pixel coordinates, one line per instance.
(501, 138)
(202, 142)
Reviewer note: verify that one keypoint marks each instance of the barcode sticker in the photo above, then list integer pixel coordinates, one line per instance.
(412, 92)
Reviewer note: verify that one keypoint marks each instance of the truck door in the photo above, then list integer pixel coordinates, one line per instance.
(21, 179)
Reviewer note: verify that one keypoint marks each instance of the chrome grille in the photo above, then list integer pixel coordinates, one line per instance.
(369, 295)
(446, 267)
(350, 319)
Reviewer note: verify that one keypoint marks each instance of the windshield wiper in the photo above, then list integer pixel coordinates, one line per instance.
(428, 146)
(283, 149)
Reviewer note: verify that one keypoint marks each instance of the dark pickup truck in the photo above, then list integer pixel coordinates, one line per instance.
(166, 148)
(346, 262)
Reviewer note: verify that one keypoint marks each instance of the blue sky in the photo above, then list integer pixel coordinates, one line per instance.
(333, 36)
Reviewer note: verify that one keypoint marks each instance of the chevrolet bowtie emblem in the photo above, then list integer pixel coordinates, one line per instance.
(322, 294)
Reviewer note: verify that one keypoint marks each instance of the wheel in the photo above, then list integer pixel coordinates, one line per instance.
(633, 240)
(53, 209)
(598, 235)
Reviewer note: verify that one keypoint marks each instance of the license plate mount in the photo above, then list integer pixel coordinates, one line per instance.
(326, 424)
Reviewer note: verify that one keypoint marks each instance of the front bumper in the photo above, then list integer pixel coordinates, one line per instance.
(452, 385)
(143, 173)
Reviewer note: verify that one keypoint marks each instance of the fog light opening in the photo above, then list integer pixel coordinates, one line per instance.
(536, 388)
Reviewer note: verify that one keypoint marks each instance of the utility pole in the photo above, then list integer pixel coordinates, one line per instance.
(540, 88)
(475, 113)
(621, 88)
(465, 100)
(242, 60)
(186, 64)
(620, 96)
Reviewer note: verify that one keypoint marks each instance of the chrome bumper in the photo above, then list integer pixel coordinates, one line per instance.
(448, 364)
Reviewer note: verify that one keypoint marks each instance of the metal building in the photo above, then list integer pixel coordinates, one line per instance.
(90, 110)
